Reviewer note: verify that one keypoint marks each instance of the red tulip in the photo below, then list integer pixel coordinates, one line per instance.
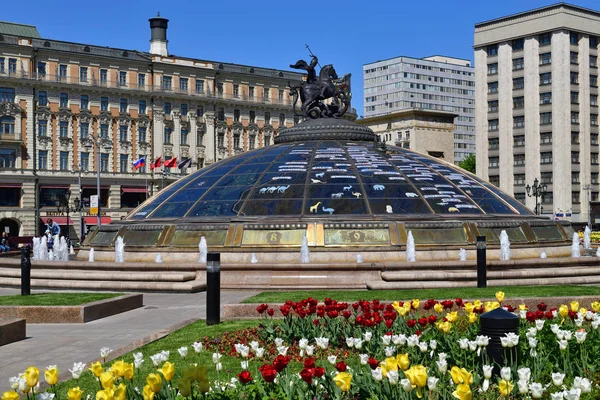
(245, 377)
(307, 375)
(262, 308)
(341, 366)
(319, 372)
(268, 372)
(271, 311)
(309, 362)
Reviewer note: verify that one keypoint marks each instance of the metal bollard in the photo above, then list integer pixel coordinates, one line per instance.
(213, 288)
(25, 270)
(496, 324)
(481, 262)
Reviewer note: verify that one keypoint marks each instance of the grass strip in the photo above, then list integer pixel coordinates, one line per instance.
(55, 299)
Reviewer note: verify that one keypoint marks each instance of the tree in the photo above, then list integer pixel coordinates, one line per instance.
(468, 163)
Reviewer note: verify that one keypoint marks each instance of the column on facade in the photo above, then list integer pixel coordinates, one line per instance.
(114, 197)
(210, 138)
(25, 94)
(481, 115)
(585, 159)
(158, 129)
(505, 117)
(532, 111)
(176, 135)
(192, 139)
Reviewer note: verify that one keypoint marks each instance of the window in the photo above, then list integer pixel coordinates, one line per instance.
(123, 133)
(546, 138)
(167, 135)
(573, 57)
(84, 161)
(266, 94)
(236, 91)
(574, 78)
(63, 100)
(546, 78)
(251, 142)
(42, 98)
(594, 80)
(252, 116)
(492, 69)
(519, 179)
(280, 95)
(281, 120)
(575, 197)
(575, 177)
(236, 141)
(519, 141)
(267, 117)
(493, 143)
(494, 162)
(520, 197)
(84, 131)
(142, 134)
(123, 163)
(545, 118)
(7, 95)
(43, 159)
(64, 129)
(518, 102)
(594, 138)
(184, 109)
(518, 83)
(103, 103)
(593, 61)
(220, 88)
(43, 128)
(183, 84)
(546, 157)
(84, 102)
(103, 77)
(574, 97)
(593, 99)
(518, 63)
(251, 92)
(594, 119)
(236, 115)
(221, 114)
(12, 66)
(142, 106)
(493, 87)
(492, 50)
(546, 98)
(574, 117)
(573, 37)
(595, 177)
(167, 83)
(266, 141)
(493, 106)
(545, 39)
(200, 111)
(593, 41)
(518, 44)
(594, 159)
(519, 121)
(7, 125)
(547, 198)
(184, 136)
(220, 141)
(83, 74)
(546, 177)
(574, 157)
(495, 180)
(519, 159)
(545, 58)
(166, 108)
(199, 86)
(64, 160)
(104, 162)
(492, 125)
(62, 72)
(41, 69)
(122, 78)
(104, 131)
(141, 81)
(2, 65)
(123, 106)
(574, 137)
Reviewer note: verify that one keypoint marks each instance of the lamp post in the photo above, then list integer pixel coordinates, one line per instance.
(96, 143)
(536, 191)
(588, 189)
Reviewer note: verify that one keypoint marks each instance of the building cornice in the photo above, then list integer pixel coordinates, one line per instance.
(403, 114)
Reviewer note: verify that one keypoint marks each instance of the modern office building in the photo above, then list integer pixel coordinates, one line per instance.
(69, 109)
(435, 83)
(537, 106)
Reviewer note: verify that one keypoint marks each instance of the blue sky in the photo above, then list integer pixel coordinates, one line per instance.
(273, 33)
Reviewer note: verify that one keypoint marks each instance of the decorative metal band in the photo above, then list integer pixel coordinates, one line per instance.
(355, 226)
(326, 129)
(145, 227)
(202, 227)
(109, 228)
(258, 227)
(498, 224)
(542, 223)
(432, 225)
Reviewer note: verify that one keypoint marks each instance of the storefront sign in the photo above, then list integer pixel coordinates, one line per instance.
(94, 204)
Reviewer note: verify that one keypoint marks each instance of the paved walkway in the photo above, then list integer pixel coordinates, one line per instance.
(64, 344)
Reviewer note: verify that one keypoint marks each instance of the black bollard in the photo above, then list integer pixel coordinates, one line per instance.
(25, 270)
(496, 324)
(481, 262)
(213, 288)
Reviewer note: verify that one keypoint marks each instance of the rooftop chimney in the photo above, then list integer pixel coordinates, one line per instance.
(158, 39)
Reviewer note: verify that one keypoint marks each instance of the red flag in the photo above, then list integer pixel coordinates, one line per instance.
(155, 164)
(170, 163)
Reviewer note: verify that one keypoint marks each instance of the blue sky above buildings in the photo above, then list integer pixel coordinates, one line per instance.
(274, 33)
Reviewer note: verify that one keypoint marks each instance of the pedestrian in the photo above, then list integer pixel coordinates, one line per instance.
(4, 247)
(53, 227)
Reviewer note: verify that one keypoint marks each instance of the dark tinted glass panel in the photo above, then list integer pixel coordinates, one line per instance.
(242, 179)
(172, 209)
(185, 195)
(272, 207)
(226, 193)
(215, 209)
(399, 206)
(334, 191)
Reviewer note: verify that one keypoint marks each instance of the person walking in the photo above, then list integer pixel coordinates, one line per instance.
(4, 247)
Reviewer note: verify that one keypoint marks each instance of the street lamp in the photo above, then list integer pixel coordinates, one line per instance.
(536, 191)
(96, 143)
(588, 189)
(65, 207)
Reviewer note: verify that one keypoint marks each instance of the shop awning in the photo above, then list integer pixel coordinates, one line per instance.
(94, 220)
(59, 220)
(135, 190)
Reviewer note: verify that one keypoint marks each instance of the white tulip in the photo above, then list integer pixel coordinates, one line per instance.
(386, 340)
(531, 332)
(364, 359)
(45, 396)
(399, 339)
(393, 377)
(216, 358)
(367, 336)
(406, 385)
(524, 374)
(138, 359)
(557, 378)
(322, 342)
(442, 366)
(487, 371)
(537, 390)
(183, 351)
(302, 343)
(156, 359)
(432, 382)
(218, 366)
(78, 369)
(310, 350)
(582, 383)
(442, 356)
(244, 365)
(554, 328)
(433, 344)
(562, 344)
(197, 346)
(506, 373)
(578, 322)
(595, 323)
(539, 324)
(390, 351)
(23, 385)
(261, 351)
(13, 381)
(422, 346)
(332, 359)
(482, 341)
(473, 345)
(568, 335)
(485, 386)
(358, 343)
(278, 342)
(523, 386)
(377, 374)
(573, 394)
(554, 313)
(104, 352)
(350, 341)
(282, 350)
(533, 342)
(463, 343)
(580, 336)
(557, 396)
(164, 355)
(522, 314)
(412, 340)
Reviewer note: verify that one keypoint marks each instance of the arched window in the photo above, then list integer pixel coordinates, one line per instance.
(7, 125)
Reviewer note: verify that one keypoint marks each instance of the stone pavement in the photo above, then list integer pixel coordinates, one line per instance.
(64, 344)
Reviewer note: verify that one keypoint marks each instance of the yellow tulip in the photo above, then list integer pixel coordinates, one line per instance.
(416, 303)
(490, 305)
(147, 393)
(523, 307)
(10, 396)
(118, 368)
(391, 364)
(106, 394)
(155, 382)
(121, 392)
(128, 370)
(185, 387)
(500, 297)
(417, 375)
(472, 318)
(563, 310)
(438, 307)
(403, 361)
(461, 375)
(468, 307)
(452, 316)
(107, 380)
(463, 392)
(505, 387)
(196, 373)
(583, 310)
(477, 303)
(96, 369)
(343, 380)
(396, 306)
(74, 393)
(444, 326)
(574, 306)
(596, 306)
(168, 370)
(51, 375)
(204, 385)
(32, 375)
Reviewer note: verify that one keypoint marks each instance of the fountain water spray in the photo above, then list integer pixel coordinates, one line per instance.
(63, 251)
(158, 258)
(587, 242)
(462, 255)
(304, 252)
(504, 246)
(43, 249)
(598, 252)
(575, 252)
(203, 250)
(119, 250)
(254, 260)
(543, 255)
(36, 248)
(91, 256)
(71, 251)
(359, 259)
(411, 254)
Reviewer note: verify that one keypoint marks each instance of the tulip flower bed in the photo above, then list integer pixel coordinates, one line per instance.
(363, 350)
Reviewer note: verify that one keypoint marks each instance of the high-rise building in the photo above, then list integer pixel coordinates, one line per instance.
(436, 83)
(68, 109)
(537, 106)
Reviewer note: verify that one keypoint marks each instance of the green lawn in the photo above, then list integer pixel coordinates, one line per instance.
(355, 295)
(55, 299)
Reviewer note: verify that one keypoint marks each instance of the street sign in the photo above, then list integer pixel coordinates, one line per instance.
(94, 204)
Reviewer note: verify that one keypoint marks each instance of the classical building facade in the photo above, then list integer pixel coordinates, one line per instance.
(69, 109)
(436, 83)
(537, 106)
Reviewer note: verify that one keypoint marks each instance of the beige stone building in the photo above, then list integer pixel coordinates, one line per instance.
(69, 109)
(425, 131)
(536, 112)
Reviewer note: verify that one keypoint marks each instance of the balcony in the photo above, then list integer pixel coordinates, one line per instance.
(10, 138)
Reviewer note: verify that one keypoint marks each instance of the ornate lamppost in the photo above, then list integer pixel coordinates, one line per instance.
(66, 208)
(536, 191)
